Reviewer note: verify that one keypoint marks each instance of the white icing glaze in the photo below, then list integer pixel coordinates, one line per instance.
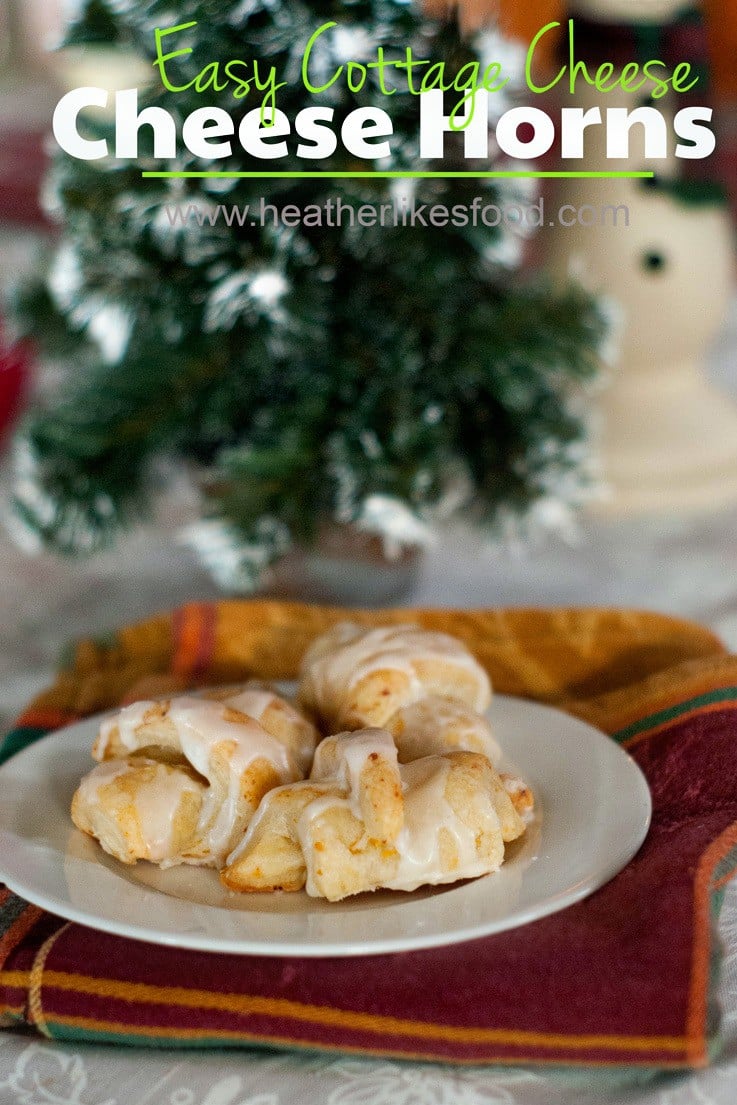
(100, 776)
(256, 700)
(351, 750)
(126, 722)
(339, 661)
(426, 813)
(201, 730)
(157, 804)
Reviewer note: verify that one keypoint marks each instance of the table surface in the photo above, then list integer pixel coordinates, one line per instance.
(678, 565)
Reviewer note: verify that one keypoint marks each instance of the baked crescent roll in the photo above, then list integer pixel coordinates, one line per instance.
(231, 751)
(456, 818)
(353, 678)
(276, 713)
(358, 771)
(139, 808)
(436, 725)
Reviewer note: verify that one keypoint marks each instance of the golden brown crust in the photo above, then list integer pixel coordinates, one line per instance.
(376, 698)
(472, 775)
(381, 803)
(348, 861)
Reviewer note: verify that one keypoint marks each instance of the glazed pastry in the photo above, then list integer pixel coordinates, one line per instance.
(521, 795)
(357, 776)
(456, 817)
(354, 678)
(277, 714)
(140, 808)
(436, 725)
(228, 749)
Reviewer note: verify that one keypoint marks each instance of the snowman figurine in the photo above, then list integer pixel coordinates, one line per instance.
(667, 438)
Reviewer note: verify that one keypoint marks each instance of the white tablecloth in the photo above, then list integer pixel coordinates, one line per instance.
(684, 566)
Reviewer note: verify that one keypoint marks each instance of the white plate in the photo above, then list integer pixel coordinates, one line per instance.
(593, 812)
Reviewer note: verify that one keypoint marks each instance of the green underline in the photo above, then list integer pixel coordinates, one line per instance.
(509, 174)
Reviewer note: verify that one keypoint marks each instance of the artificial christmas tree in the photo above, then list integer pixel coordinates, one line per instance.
(310, 374)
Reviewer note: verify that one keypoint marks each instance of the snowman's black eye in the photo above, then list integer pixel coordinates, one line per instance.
(653, 261)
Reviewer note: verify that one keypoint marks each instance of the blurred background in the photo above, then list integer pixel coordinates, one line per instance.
(539, 419)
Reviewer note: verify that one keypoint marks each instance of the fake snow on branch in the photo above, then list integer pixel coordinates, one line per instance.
(236, 561)
(244, 295)
(394, 522)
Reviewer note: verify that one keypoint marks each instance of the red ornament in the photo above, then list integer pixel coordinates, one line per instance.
(15, 362)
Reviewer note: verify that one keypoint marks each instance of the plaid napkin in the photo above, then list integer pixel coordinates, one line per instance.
(623, 979)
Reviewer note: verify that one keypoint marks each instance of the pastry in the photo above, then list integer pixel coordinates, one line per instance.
(140, 808)
(270, 856)
(357, 776)
(436, 725)
(353, 678)
(340, 832)
(233, 753)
